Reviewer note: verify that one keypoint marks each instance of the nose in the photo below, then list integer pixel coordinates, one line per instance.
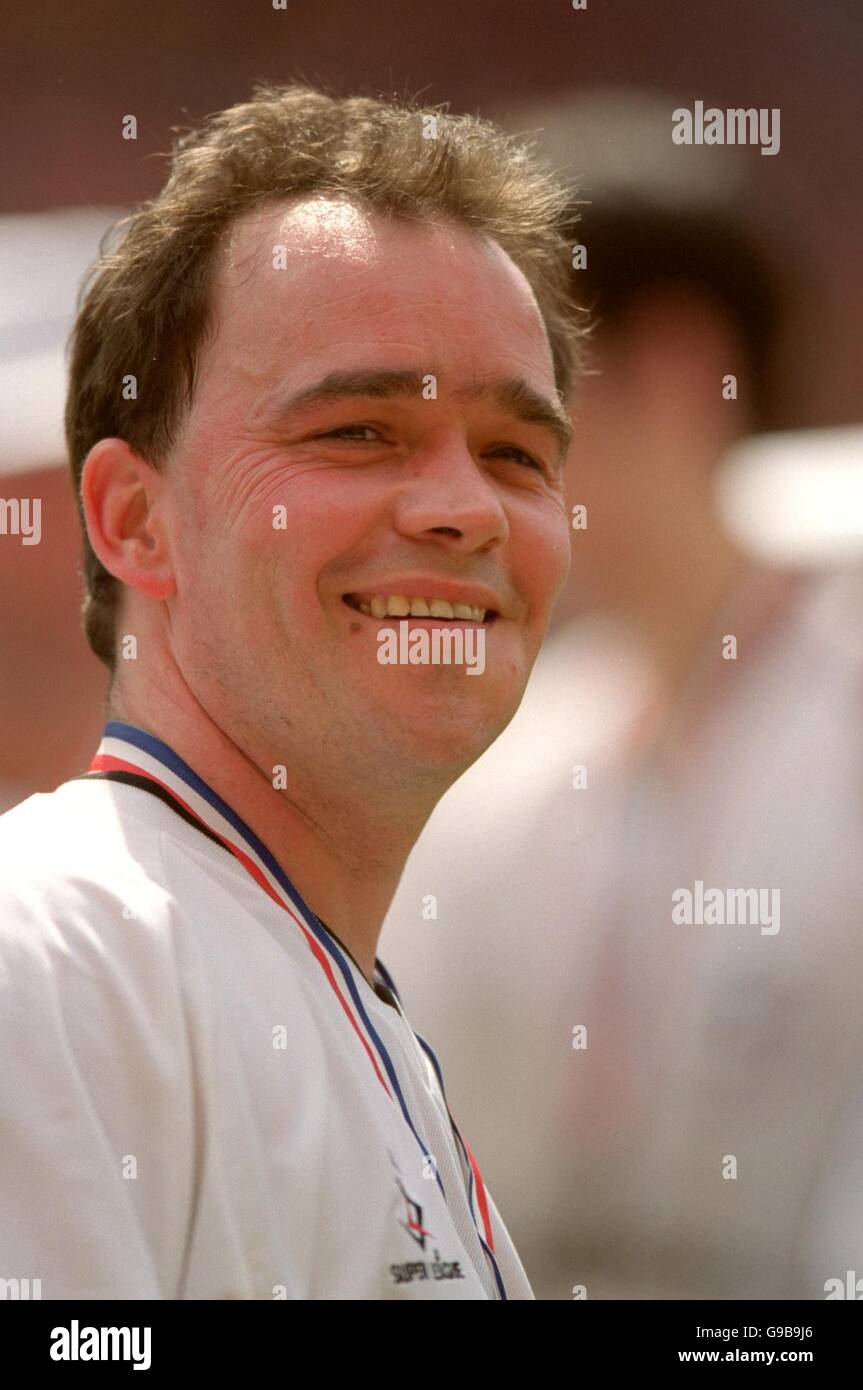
(447, 494)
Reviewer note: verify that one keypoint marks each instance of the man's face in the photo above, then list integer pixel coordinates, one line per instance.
(285, 519)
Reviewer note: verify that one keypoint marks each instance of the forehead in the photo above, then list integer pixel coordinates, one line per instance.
(321, 282)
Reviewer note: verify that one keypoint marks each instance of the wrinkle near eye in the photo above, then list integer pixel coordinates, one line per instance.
(249, 484)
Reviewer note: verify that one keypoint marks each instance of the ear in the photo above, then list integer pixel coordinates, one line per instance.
(121, 493)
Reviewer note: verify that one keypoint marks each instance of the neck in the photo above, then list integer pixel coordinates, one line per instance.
(344, 851)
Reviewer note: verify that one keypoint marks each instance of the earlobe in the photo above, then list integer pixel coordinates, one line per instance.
(120, 496)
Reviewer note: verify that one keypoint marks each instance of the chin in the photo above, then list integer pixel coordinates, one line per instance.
(451, 741)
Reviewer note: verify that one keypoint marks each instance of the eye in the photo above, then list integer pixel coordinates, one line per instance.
(523, 457)
(345, 430)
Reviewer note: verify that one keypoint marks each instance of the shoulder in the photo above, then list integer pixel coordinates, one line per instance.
(80, 883)
(87, 823)
(109, 901)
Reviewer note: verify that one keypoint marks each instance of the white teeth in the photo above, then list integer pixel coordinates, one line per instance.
(400, 606)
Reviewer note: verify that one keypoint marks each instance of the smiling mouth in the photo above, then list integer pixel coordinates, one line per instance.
(382, 606)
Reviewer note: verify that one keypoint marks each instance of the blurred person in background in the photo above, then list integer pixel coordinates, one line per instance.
(51, 685)
(676, 1106)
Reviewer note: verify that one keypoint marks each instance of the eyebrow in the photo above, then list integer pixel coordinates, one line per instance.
(512, 394)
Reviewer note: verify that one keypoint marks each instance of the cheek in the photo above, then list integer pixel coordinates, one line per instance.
(250, 521)
(547, 552)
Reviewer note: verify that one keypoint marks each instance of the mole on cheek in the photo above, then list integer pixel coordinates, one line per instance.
(355, 627)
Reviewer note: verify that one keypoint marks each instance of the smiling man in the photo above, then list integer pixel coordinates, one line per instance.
(315, 390)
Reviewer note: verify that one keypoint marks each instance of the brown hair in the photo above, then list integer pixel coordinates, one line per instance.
(144, 307)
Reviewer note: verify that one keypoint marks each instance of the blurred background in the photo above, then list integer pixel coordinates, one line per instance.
(661, 1110)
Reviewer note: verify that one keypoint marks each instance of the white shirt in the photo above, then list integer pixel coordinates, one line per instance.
(202, 1095)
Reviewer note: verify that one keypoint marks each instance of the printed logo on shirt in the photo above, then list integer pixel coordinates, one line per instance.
(413, 1219)
(412, 1222)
